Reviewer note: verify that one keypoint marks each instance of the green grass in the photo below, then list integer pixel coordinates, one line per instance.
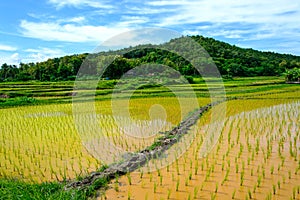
(15, 189)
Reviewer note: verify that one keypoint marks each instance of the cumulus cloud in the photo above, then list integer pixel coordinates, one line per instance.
(13, 59)
(41, 54)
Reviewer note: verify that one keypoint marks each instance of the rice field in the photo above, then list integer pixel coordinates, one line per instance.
(255, 156)
(42, 143)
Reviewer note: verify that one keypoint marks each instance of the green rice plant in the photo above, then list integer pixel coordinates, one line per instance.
(252, 155)
(190, 175)
(254, 188)
(217, 187)
(291, 149)
(213, 196)
(236, 168)
(272, 169)
(177, 169)
(223, 165)
(129, 178)
(233, 194)
(154, 187)
(177, 184)
(196, 189)
(274, 189)
(186, 181)
(196, 168)
(257, 146)
(158, 172)
(263, 173)
(241, 150)
(269, 196)
(258, 181)
(169, 193)
(161, 179)
(151, 176)
(278, 184)
(128, 195)
(290, 174)
(283, 179)
(294, 193)
(207, 175)
(202, 186)
(249, 194)
(242, 178)
(228, 163)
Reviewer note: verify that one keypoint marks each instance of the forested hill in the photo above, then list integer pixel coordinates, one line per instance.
(231, 60)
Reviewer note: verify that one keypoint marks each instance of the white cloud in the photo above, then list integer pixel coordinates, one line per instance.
(167, 3)
(140, 36)
(243, 21)
(142, 10)
(127, 21)
(278, 14)
(12, 59)
(78, 3)
(41, 54)
(54, 31)
(77, 19)
(4, 47)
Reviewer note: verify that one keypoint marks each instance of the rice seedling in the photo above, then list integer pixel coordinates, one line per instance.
(169, 193)
(259, 181)
(217, 187)
(249, 194)
(294, 193)
(272, 169)
(274, 189)
(233, 194)
(187, 181)
(177, 184)
(196, 189)
(128, 195)
(242, 178)
(129, 178)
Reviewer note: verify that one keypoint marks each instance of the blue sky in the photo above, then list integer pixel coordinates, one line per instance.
(32, 31)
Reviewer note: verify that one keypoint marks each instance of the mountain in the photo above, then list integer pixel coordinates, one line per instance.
(230, 60)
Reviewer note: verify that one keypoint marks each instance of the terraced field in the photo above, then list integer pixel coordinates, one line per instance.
(256, 155)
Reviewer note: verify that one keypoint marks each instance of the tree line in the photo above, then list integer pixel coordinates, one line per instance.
(229, 59)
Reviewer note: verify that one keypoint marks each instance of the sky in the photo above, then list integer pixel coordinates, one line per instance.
(33, 31)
